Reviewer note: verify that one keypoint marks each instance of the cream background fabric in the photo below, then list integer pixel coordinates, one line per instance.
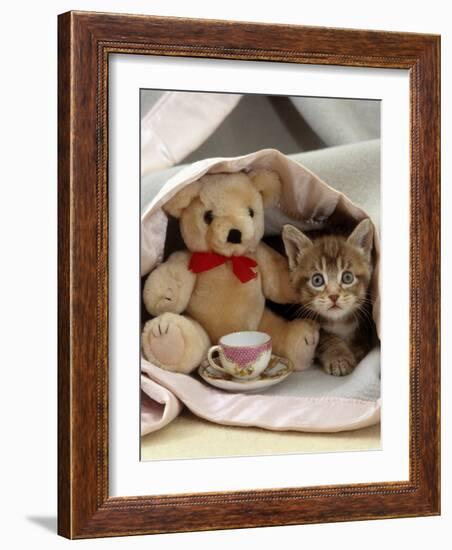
(190, 436)
(172, 118)
(188, 126)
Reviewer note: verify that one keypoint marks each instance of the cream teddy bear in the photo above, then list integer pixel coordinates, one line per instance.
(220, 283)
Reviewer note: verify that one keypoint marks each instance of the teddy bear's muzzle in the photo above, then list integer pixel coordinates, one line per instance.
(234, 236)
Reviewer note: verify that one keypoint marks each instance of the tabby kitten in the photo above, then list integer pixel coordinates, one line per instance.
(332, 275)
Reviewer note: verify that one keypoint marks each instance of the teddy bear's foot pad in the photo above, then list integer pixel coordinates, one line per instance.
(174, 342)
(166, 342)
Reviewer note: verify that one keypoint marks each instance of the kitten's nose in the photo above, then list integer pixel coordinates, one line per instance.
(333, 297)
(234, 236)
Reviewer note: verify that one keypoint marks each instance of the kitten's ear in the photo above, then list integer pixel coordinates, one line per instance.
(363, 237)
(295, 243)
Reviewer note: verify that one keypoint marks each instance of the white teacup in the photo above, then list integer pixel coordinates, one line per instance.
(243, 355)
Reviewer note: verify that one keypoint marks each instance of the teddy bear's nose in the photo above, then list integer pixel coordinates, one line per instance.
(234, 236)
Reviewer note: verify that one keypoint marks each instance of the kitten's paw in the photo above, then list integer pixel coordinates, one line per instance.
(339, 366)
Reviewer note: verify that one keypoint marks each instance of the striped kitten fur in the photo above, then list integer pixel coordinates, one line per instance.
(331, 275)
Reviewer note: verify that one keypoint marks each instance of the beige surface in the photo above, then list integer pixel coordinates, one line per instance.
(191, 437)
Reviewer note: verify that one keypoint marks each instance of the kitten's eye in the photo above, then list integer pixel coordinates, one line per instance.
(251, 212)
(347, 277)
(208, 217)
(317, 280)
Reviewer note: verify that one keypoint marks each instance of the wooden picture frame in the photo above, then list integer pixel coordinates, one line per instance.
(85, 42)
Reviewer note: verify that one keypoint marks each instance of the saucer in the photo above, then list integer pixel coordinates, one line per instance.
(278, 369)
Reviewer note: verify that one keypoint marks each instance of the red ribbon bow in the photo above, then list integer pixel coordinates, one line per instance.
(241, 265)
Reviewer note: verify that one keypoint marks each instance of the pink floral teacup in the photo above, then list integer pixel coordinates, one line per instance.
(243, 355)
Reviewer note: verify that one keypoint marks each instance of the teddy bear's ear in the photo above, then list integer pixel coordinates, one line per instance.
(181, 200)
(268, 184)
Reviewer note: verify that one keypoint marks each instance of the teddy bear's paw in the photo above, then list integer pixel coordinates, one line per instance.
(304, 344)
(311, 336)
(174, 342)
(163, 341)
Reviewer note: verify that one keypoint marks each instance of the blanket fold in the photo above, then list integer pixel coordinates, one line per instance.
(159, 406)
(310, 400)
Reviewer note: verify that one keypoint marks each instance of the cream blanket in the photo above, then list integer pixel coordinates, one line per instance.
(306, 401)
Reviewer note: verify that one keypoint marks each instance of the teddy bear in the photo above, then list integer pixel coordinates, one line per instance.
(220, 283)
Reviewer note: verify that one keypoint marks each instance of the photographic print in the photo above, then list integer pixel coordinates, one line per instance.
(248, 275)
(260, 274)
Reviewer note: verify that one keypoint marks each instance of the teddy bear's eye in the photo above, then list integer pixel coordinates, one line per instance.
(251, 212)
(208, 217)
